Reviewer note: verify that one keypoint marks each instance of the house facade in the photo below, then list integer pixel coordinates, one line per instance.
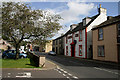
(5, 45)
(78, 40)
(58, 45)
(48, 46)
(106, 40)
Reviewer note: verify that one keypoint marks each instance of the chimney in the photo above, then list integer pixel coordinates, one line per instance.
(73, 26)
(102, 10)
(109, 17)
(86, 20)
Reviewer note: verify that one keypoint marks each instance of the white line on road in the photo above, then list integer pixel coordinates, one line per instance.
(58, 67)
(64, 75)
(69, 74)
(9, 73)
(106, 70)
(68, 77)
(25, 74)
(65, 71)
(75, 77)
(59, 71)
(8, 76)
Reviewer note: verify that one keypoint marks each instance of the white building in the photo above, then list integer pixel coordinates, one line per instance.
(78, 40)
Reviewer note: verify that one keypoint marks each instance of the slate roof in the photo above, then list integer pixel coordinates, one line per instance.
(108, 22)
(79, 26)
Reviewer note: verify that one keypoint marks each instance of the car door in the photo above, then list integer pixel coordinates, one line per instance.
(9, 54)
(13, 53)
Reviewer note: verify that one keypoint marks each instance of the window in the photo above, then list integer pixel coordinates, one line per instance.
(101, 51)
(66, 50)
(53, 42)
(118, 30)
(76, 35)
(59, 41)
(100, 34)
(80, 35)
(56, 42)
(80, 50)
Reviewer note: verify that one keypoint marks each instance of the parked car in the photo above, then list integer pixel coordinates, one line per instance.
(52, 53)
(12, 53)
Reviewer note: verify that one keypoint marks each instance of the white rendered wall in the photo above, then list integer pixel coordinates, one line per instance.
(80, 43)
(76, 45)
(101, 18)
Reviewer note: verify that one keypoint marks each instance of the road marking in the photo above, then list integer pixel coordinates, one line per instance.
(65, 72)
(69, 74)
(25, 74)
(59, 71)
(106, 70)
(58, 67)
(64, 75)
(8, 76)
(68, 77)
(75, 77)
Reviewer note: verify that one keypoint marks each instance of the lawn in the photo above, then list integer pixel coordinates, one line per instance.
(20, 63)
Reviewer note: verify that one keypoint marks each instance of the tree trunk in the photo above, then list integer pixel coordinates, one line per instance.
(17, 51)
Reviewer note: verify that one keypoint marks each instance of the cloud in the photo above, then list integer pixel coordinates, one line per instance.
(75, 10)
(73, 14)
(61, 31)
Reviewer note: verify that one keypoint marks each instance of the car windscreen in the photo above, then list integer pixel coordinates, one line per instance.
(12, 51)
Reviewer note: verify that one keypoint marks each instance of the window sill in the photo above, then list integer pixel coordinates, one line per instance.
(101, 56)
(100, 39)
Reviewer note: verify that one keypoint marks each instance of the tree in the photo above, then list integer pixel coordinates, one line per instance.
(20, 22)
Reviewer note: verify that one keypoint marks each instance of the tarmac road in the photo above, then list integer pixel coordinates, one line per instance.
(84, 69)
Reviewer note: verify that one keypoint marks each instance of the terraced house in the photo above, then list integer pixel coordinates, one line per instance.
(106, 40)
(78, 40)
(58, 45)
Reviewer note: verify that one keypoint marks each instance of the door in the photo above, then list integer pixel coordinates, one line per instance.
(91, 52)
(72, 50)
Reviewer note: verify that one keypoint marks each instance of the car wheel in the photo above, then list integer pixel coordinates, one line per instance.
(22, 57)
(5, 57)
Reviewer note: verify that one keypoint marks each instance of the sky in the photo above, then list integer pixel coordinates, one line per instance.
(74, 12)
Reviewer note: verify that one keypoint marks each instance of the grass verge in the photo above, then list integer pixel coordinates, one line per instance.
(20, 63)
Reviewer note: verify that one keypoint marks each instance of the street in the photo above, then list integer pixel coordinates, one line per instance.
(67, 69)
(83, 68)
